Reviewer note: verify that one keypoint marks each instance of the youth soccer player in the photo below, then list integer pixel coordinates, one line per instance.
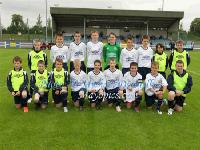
(17, 83)
(145, 54)
(78, 79)
(114, 89)
(77, 51)
(94, 50)
(96, 85)
(179, 84)
(34, 56)
(59, 83)
(155, 87)
(128, 55)
(133, 86)
(179, 54)
(161, 57)
(60, 51)
(40, 84)
(111, 50)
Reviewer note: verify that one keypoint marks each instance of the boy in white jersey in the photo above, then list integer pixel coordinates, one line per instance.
(133, 86)
(128, 55)
(77, 51)
(59, 83)
(59, 51)
(145, 54)
(155, 87)
(78, 79)
(114, 88)
(94, 51)
(96, 85)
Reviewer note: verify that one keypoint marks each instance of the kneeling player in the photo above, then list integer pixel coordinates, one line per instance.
(179, 84)
(113, 85)
(96, 85)
(17, 82)
(155, 87)
(59, 82)
(78, 79)
(133, 86)
(39, 84)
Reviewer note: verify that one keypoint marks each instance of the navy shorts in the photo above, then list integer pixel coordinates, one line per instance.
(144, 71)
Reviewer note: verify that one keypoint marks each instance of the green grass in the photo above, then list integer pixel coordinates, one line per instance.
(91, 129)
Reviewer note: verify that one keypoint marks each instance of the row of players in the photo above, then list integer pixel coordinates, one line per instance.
(98, 85)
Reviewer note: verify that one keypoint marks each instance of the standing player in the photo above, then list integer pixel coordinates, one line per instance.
(128, 55)
(17, 83)
(78, 79)
(179, 84)
(133, 86)
(155, 87)
(145, 54)
(59, 82)
(179, 54)
(161, 57)
(111, 50)
(33, 57)
(59, 51)
(94, 51)
(96, 85)
(114, 88)
(77, 51)
(39, 83)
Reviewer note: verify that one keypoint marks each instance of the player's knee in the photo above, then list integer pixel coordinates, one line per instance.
(178, 108)
(37, 97)
(140, 92)
(43, 106)
(171, 95)
(24, 94)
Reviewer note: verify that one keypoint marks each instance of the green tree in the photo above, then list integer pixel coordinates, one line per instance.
(195, 26)
(17, 25)
(37, 28)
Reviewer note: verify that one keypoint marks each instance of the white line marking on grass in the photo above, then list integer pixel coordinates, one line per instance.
(195, 73)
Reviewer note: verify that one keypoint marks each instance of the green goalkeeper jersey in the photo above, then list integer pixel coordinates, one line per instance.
(111, 51)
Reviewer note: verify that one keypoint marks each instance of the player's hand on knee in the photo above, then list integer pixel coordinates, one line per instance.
(17, 94)
(57, 92)
(24, 94)
(81, 94)
(13, 93)
(37, 97)
(121, 93)
(101, 92)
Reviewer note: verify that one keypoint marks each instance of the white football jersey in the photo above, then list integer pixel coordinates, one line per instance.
(78, 81)
(144, 57)
(96, 81)
(113, 79)
(135, 82)
(128, 56)
(77, 51)
(61, 52)
(154, 82)
(94, 52)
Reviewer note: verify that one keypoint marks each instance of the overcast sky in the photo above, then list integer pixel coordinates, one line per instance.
(31, 8)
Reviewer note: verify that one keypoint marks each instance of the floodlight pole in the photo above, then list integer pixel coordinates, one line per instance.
(163, 1)
(84, 27)
(46, 22)
(0, 23)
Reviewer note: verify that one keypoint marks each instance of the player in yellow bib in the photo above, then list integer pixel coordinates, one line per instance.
(40, 84)
(179, 84)
(179, 54)
(17, 82)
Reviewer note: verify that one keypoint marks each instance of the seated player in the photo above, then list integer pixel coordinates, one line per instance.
(113, 88)
(155, 87)
(39, 84)
(59, 82)
(17, 83)
(133, 86)
(78, 79)
(96, 85)
(179, 84)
